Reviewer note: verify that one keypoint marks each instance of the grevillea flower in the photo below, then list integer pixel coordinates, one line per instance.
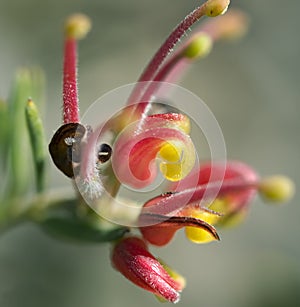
(131, 257)
(164, 136)
(197, 198)
(232, 186)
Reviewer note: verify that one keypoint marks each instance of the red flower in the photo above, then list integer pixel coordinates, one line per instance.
(130, 257)
(197, 197)
(226, 188)
(160, 135)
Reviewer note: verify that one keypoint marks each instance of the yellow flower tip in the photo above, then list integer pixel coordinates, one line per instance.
(200, 46)
(201, 236)
(77, 26)
(174, 274)
(30, 102)
(219, 205)
(177, 161)
(31, 107)
(277, 188)
(198, 236)
(171, 167)
(171, 152)
(213, 8)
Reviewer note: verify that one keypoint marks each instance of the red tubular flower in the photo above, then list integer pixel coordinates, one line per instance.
(231, 172)
(234, 184)
(198, 197)
(162, 136)
(227, 189)
(162, 232)
(232, 202)
(77, 26)
(70, 96)
(131, 258)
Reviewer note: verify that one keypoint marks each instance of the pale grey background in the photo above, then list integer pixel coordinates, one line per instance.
(252, 87)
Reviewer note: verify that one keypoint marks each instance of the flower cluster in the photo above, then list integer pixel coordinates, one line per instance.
(197, 198)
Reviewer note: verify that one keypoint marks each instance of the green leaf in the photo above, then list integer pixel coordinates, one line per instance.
(67, 222)
(3, 132)
(27, 83)
(37, 139)
(18, 138)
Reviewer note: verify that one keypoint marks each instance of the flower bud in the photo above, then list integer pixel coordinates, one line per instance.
(213, 8)
(130, 257)
(77, 26)
(277, 188)
(199, 46)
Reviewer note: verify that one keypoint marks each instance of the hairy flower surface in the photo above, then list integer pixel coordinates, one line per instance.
(131, 257)
(196, 198)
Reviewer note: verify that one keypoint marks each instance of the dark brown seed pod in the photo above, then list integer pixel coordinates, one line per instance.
(65, 146)
(104, 153)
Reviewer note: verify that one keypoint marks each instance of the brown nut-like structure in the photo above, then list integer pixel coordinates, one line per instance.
(65, 147)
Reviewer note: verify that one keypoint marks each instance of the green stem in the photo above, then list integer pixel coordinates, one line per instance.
(33, 209)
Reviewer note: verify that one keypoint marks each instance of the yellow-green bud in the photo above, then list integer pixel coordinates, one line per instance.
(213, 8)
(77, 26)
(200, 46)
(37, 138)
(277, 188)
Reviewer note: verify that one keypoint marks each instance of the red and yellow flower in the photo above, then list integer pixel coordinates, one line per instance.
(198, 198)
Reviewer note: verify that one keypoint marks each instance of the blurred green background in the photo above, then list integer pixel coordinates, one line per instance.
(252, 86)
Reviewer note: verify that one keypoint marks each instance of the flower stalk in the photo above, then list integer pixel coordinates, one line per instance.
(76, 27)
(211, 8)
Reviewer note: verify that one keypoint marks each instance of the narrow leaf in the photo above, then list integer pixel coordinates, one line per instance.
(37, 139)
